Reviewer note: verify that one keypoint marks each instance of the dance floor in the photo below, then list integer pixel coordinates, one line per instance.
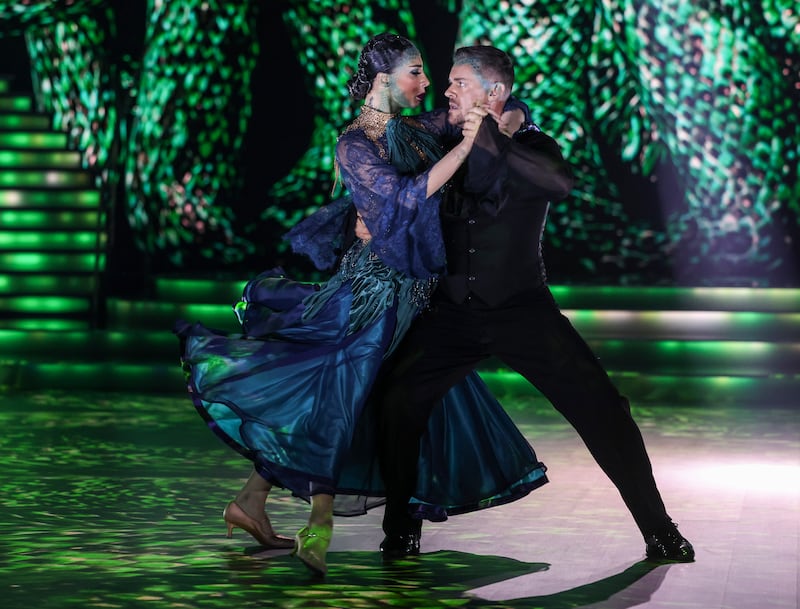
(115, 500)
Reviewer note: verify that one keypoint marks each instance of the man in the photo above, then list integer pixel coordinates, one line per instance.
(494, 301)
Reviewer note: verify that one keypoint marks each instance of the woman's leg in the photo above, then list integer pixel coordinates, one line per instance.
(252, 497)
(312, 541)
(248, 512)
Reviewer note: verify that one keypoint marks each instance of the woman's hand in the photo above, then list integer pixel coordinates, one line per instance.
(362, 232)
(472, 122)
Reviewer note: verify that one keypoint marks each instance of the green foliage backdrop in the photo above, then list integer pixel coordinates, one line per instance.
(679, 116)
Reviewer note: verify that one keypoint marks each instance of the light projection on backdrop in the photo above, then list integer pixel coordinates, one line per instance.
(680, 119)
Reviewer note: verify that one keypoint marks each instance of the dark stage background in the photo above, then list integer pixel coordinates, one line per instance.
(209, 126)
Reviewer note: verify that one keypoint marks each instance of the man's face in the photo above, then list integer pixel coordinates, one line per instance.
(465, 92)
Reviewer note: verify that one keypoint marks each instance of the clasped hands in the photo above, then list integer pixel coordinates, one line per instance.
(508, 122)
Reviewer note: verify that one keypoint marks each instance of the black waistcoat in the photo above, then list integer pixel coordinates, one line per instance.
(493, 248)
(494, 211)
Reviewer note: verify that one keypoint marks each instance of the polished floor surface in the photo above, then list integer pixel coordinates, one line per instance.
(114, 500)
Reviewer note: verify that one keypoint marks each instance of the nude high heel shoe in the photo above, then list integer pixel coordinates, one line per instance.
(261, 530)
(311, 544)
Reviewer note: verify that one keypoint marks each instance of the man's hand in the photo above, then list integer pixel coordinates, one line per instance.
(509, 121)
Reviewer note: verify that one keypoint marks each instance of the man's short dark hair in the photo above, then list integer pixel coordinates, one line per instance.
(489, 63)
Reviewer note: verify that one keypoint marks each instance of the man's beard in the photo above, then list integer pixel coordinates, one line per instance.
(455, 118)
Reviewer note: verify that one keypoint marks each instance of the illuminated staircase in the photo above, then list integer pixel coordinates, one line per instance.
(52, 225)
(683, 346)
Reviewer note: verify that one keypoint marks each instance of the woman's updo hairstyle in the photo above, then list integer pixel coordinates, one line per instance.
(383, 53)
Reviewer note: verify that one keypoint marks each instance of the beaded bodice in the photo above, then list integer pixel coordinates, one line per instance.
(373, 123)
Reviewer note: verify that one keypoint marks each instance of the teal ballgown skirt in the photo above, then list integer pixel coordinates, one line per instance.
(291, 393)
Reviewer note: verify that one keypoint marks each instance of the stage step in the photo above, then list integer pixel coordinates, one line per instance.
(639, 356)
(686, 354)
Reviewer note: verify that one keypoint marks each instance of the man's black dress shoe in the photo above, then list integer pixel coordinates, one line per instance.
(399, 546)
(668, 544)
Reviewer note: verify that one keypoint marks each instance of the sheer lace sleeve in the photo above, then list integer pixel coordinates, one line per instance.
(403, 222)
(321, 236)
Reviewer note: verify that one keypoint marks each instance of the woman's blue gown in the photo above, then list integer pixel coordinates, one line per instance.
(291, 393)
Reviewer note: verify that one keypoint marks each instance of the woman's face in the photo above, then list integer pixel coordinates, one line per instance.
(407, 83)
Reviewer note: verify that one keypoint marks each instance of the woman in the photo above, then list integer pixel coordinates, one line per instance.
(291, 393)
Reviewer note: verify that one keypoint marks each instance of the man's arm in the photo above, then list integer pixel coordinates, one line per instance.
(530, 161)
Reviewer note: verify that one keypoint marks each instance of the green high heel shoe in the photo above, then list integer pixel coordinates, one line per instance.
(311, 544)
